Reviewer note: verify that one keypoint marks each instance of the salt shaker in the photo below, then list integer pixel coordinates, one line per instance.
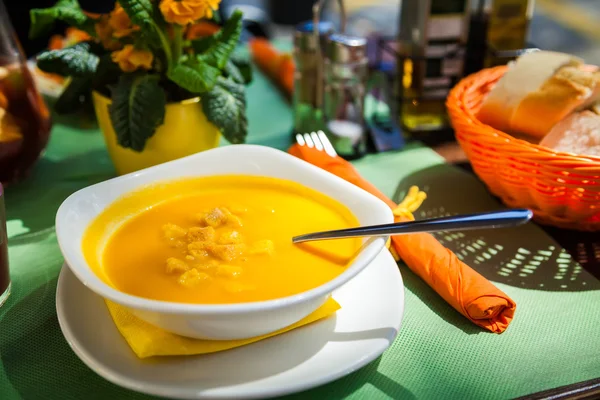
(345, 78)
(306, 99)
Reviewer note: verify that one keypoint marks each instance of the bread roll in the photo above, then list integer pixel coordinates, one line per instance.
(570, 89)
(539, 90)
(579, 133)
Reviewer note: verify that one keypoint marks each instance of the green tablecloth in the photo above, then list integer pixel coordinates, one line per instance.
(553, 340)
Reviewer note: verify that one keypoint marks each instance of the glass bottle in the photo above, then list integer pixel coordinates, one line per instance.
(498, 32)
(507, 30)
(431, 48)
(24, 118)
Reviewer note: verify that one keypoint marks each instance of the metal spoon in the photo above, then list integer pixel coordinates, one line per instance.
(494, 219)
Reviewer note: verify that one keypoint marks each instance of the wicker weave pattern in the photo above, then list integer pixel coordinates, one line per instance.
(562, 189)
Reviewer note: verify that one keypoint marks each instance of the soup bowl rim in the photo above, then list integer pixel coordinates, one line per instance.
(368, 252)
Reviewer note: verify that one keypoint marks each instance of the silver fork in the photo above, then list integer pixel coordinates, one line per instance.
(318, 140)
(493, 219)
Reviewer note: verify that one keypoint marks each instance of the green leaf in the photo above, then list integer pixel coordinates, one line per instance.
(194, 76)
(76, 60)
(243, 64)
(73, 97)
(141, 13)
(137, 109)
(225, 106)
(68, 11)
(233, 72)
(224, 41)
(148, 17)
(203, 44)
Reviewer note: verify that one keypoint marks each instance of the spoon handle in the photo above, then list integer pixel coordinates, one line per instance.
(494, 219)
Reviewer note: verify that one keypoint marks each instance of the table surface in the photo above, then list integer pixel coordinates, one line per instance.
(570, 240)
(551, 343)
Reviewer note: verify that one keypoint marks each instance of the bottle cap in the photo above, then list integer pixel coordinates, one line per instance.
(304, 36)
(346, 49)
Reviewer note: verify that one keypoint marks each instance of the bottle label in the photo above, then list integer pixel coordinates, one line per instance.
(443, 68)
(445, 27)
(441, 64)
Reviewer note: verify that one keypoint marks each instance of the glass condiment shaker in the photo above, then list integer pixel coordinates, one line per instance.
(345, 78)
(306, 99)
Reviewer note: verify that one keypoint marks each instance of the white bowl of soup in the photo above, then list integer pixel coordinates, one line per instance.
(201, 246)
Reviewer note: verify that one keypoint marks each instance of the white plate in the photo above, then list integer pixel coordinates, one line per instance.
(367, 324)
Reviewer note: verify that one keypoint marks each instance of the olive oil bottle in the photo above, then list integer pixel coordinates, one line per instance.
(432, 40)
(507, 29)
(498, 32)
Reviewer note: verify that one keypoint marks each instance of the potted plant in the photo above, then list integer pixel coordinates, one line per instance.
(164, 78)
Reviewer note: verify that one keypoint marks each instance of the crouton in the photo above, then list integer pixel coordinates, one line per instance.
(193, 278)
(176, 265)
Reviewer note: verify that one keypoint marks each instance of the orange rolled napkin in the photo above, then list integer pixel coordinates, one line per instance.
(458, 284)
(278, 66)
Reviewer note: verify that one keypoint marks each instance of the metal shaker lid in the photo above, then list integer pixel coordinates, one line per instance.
(304, 38)
(345, 48)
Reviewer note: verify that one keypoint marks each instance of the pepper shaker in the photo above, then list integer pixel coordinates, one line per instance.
(345, 78)
(309, 40)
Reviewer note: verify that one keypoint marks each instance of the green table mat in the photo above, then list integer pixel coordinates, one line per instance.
(552, 341)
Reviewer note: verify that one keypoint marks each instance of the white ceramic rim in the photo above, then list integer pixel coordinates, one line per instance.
(368, 253)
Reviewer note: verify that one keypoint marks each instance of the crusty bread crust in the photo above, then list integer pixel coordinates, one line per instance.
(566, 91)
(496, 113)
(527, 77)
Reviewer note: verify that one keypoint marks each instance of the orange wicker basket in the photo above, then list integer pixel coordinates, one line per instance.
(562, 189)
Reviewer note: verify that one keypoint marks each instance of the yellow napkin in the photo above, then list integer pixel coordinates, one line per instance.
(147, 340)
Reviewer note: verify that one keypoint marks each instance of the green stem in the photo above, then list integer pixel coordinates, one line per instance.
(177, 43)
(166, 47)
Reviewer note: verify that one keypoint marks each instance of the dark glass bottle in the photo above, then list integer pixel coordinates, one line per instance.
(498, 32)
(432, 40)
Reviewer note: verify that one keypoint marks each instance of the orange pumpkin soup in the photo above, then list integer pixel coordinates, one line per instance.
(220, 239)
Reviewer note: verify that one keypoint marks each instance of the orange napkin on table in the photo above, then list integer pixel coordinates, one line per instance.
(276, 65)
(462, 287)
(147, 340)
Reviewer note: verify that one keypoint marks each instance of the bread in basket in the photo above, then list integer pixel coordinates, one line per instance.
(563, 189)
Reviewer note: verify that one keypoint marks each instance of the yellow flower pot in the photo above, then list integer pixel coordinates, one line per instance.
(185, 131)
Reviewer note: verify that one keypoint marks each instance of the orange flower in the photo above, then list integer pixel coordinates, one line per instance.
(92, 15)
(105, 34)
(120, 23)
(130, 58)
(56, 42)
(72, 36)
(184, 12)
(201, 29)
